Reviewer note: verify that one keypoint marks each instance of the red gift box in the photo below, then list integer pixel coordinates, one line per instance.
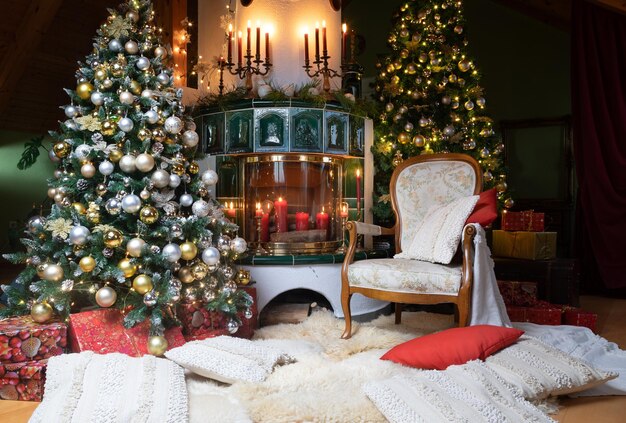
(103, 332)
(516, 293)
(578, 317)
(523, 221)
(543, 313)
(22, 339)
(199, 323)
(23, 381)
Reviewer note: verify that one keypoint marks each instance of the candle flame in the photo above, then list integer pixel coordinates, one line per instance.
(258, 206)
(232, 206)
(258, 23)
(280, 198)
(323, 24)
(344, 28)
(305, 30)
(358, 173)
(230, 28)
(249, 24)
(240, 35)
(317, 25)
(322, 209)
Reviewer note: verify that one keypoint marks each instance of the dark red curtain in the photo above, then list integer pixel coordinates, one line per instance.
(599, 123)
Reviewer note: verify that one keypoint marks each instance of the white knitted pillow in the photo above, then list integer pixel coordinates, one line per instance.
(539, 370)
(227, 359)
(438, 235)
(467, 393)
(89, 387)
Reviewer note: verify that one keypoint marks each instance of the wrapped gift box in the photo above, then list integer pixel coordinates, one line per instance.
(199, 323)
(524, 245)
(22, 339)
(578, 317)
(518, 293)
(23, 381)
(542, 314)
(103, 332)
(523, 221)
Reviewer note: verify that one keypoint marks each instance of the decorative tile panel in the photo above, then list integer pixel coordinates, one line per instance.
(239, 131)
(271, 130)
(213, 133)
(306, 130)
(357, 136)
(336, 133)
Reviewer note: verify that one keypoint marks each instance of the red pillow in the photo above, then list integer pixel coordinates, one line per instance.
(453, 346)
(486, 209)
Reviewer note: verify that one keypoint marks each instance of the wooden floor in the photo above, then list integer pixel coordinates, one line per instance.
(611, 318)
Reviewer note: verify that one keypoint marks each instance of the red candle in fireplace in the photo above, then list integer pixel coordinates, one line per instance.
(302, 221)
(231, 212)
(321, 219)
(265, 227)
(343, 212)
(258, 211)
(280, 213)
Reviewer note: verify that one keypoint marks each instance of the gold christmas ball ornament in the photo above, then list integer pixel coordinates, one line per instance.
(135, 87)
(142, 284)
(143, 134)
(509, 203)
(87, 264)
(112, 238)
(100, 74)
(403, 137)
(127, 267)
(41, 312)
(395, 80)
(41, 268)
(243, 277)
(411, 68)
(157, 345)
(178, 169)
(61, 149)
(79, 207)
(185, 275)
(106, 296)
(464, 65)
(193, 168)
(117, 69)
(501, 186)
(101, 189)
(419, 140)
(199, 271)
(115, 155)
(158, 134)
(53, 273)
(188, 250)
(108, 127)
(404, 53)
(84, 90)
(148, 215)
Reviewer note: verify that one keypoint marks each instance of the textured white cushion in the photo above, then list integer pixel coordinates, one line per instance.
(112, 388)
(437, 236)
(539, 370)
(467, 393)
(402, 275)
(227, 359)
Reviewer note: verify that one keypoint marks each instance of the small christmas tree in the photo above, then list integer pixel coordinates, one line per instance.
(430, 98)
(133, 221)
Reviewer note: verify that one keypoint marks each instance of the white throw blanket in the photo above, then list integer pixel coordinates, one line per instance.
(487, 303)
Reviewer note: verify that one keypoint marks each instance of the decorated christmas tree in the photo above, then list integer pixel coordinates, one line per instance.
(132, 225)
(430, 98)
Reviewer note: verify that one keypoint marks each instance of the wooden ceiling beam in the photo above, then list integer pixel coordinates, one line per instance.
(19, 51)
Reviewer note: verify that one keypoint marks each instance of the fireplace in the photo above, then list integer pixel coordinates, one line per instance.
(289, 175)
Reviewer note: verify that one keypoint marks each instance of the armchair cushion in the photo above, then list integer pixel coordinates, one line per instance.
(402, 275)
(437, 236)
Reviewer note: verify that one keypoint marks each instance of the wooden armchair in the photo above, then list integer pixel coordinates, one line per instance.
(417, 184)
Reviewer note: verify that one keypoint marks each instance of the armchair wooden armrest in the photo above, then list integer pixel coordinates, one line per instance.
(359, 228)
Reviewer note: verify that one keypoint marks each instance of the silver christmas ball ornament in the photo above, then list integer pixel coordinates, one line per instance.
(88, 170)
(163, 78)
(144, 162)
(127, 97)
(448, 130)
(107, 83)
(150, 299)
(232, 326)
(36, 224)
(53, 157)
(106, 168)
(79, 235)
(144, 194)
(161, 52)
(176, 231)
(223, 243)
(113, 206)
(134, 247)
(97, 98)
(128, 163)
(115, 45)
(143, 63)
(106, 296)
(174, 180)
(82, 151)
(211, 256)
(152, 116)
(190, 125)
(70, 111)
(210, 177)
(147, 93)
(171, 252)
(131, 203)
(190, 138)
(248, 314)
(238, 245)
(53, 273)
(186, 200)
(126, 124)
(160, 178)
(71, 125)
(131, 47)
(200, 208)
(173, 125)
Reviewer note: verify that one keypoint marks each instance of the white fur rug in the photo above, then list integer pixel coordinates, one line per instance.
(324, 385)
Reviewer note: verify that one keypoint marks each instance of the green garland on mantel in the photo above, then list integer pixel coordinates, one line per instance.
(303, 95)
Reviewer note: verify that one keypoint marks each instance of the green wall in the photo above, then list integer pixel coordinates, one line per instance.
(19, 189)
(524, 62)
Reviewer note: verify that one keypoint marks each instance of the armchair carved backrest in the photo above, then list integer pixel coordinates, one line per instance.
(426, 181)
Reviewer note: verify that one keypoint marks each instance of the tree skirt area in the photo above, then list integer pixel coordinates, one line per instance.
(325, 383)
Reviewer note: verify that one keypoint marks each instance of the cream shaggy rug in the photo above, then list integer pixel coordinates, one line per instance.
(324, 385)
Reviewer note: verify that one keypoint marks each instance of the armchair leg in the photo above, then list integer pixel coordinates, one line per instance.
(462, 311)
(398, 307)
(345, 306)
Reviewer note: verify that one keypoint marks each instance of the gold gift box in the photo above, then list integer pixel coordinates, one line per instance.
(524, 245)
